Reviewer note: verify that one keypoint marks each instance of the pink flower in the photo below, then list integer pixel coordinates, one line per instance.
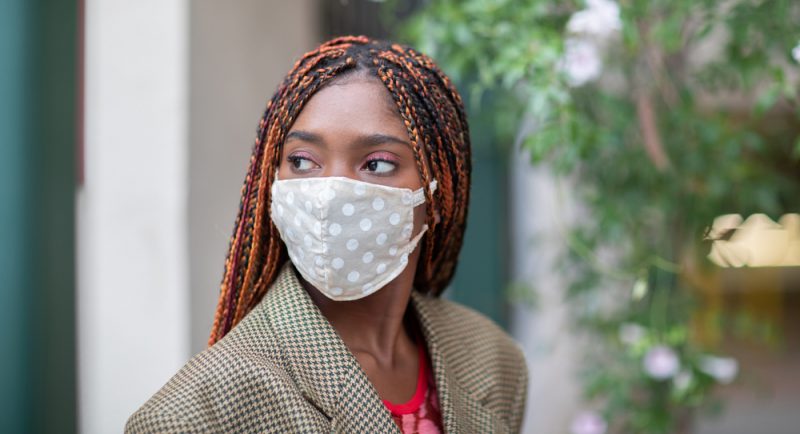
(599, 19)
(661, 362)
(588, 422)
(581, 62)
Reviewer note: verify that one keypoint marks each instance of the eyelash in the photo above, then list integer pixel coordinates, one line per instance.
(384, 160)
(295, 159)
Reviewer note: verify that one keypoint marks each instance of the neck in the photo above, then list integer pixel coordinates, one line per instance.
(374, 325)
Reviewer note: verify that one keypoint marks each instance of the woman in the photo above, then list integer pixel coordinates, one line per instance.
(351, 220)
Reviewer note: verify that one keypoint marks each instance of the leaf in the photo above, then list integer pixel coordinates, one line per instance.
(766, 100)
(639, 289)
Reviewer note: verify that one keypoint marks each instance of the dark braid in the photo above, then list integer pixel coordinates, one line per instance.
(433, 113)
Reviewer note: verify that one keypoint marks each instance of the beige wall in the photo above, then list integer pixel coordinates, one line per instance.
(174, 90)
(240, 50)
(131, 211)
(541, 208)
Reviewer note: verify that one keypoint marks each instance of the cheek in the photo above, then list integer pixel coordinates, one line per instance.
(282, 171)
(283, 166)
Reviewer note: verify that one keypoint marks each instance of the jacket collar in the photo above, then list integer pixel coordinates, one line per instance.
(330, 377)
(460, 382)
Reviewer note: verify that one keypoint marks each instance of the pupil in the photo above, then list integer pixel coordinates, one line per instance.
(373, 165)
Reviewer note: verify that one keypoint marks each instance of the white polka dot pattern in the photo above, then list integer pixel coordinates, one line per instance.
(348, 238)
(348, 209)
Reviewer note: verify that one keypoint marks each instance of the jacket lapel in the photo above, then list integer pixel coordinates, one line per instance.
(460, 386)
(329, 376)
(324, 369)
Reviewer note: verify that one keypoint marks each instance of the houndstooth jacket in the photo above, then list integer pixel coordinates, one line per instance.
(284, 368)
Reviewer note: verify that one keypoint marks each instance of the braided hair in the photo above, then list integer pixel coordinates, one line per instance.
(434, 116)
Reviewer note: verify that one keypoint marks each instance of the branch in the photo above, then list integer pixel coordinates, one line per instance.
(650, 134)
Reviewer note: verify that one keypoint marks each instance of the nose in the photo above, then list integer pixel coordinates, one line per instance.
(339, 166)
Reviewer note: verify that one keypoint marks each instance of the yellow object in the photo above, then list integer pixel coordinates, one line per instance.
(756, 242)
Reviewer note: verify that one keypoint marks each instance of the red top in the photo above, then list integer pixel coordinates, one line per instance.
(420, 414)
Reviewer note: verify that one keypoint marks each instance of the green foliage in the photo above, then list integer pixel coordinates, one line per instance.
(695, 113)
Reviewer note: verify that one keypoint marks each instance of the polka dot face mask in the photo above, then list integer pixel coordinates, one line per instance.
(348, 238)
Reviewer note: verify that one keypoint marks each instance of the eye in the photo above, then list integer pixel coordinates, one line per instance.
(299, 163)
(381, 163)
(380, 166)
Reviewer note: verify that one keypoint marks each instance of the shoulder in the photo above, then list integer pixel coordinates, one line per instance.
(475, 333)
(238, 384)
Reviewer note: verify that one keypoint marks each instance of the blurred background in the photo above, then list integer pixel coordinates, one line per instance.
(634, 226)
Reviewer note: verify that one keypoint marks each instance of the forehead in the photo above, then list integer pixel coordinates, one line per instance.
(360, 103)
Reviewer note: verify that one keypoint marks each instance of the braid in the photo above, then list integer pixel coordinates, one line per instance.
(409, 113)
(433, 113)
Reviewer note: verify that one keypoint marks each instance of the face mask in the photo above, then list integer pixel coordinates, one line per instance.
(348, 238)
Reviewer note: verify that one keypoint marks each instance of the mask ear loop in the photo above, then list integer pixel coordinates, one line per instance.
(418, 197)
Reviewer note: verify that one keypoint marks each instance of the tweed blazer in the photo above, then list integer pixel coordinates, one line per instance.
(284, 368)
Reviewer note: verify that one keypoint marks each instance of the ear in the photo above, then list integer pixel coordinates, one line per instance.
(437, 217)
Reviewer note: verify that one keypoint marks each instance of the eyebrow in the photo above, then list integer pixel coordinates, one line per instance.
(363, 141)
